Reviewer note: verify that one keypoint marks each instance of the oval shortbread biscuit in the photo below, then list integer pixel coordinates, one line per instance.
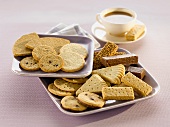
(66, 86)
(51, 63)
(54, 90)
(71, 103)
(39, 51)
(72, 62)
(76, 80)
(73, 47)
(29, 64)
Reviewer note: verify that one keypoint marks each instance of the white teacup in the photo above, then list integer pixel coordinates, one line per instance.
(117, 21)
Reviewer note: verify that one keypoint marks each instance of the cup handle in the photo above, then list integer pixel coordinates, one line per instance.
(98, 18)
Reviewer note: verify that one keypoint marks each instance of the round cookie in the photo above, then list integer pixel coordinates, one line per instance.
(72, 61)
(54, 90)
(66, 86)
(29, 64)
(91, 99)
(73, 47)
(71, 103)
(76, 80)
(54, 42)
(19, 48)
(42, 50)
(51, 63)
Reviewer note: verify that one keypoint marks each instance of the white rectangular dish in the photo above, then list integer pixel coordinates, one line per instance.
(111, 104)
(84, 41)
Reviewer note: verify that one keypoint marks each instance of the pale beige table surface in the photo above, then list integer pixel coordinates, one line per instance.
(23, 100)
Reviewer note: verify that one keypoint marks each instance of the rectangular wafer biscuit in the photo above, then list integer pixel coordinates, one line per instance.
(141, 87)
(125, 59)
(118, 93)
(135, 32)
(109, 49)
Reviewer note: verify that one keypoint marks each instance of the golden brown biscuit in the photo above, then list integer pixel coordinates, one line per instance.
(19, 48)
(29, 64)
(42, 50)
(51, 63)
(72, 62)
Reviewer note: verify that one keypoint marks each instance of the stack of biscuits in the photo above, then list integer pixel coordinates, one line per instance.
(49, 54)
(115, 74)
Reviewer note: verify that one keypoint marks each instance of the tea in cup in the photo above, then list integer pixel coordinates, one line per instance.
(117, 21)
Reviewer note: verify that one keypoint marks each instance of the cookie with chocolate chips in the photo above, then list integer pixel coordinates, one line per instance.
(51, 63)
(91, 100)
(29, 64)
(71, 103)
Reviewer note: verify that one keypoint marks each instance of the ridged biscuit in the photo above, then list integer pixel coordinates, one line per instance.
(74, 47)
(19, 48)
(91, 100)
(71, 103)
(42, 50)
(111, 74)
(29, 64)
(72, 62)
(51, 63)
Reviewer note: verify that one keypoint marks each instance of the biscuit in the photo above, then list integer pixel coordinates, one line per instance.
(71, 103)
(54, 90)
(73, 47)
(51, 63)
(54, 42)
(42, 50)
(118, 93)
(125, 59)
(141, 87)
(72, 62)
(29, 64)
(93, 84)
(33, 43)
(111, 74)
(19, 48)
(109, 49)
(91, 100)
(135, 32)
(66, 86)
(75, 80)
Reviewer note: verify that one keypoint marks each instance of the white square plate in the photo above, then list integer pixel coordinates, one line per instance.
(84, 41)
(111, 104)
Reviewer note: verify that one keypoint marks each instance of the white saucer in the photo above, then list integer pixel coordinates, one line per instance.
(99, 33)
